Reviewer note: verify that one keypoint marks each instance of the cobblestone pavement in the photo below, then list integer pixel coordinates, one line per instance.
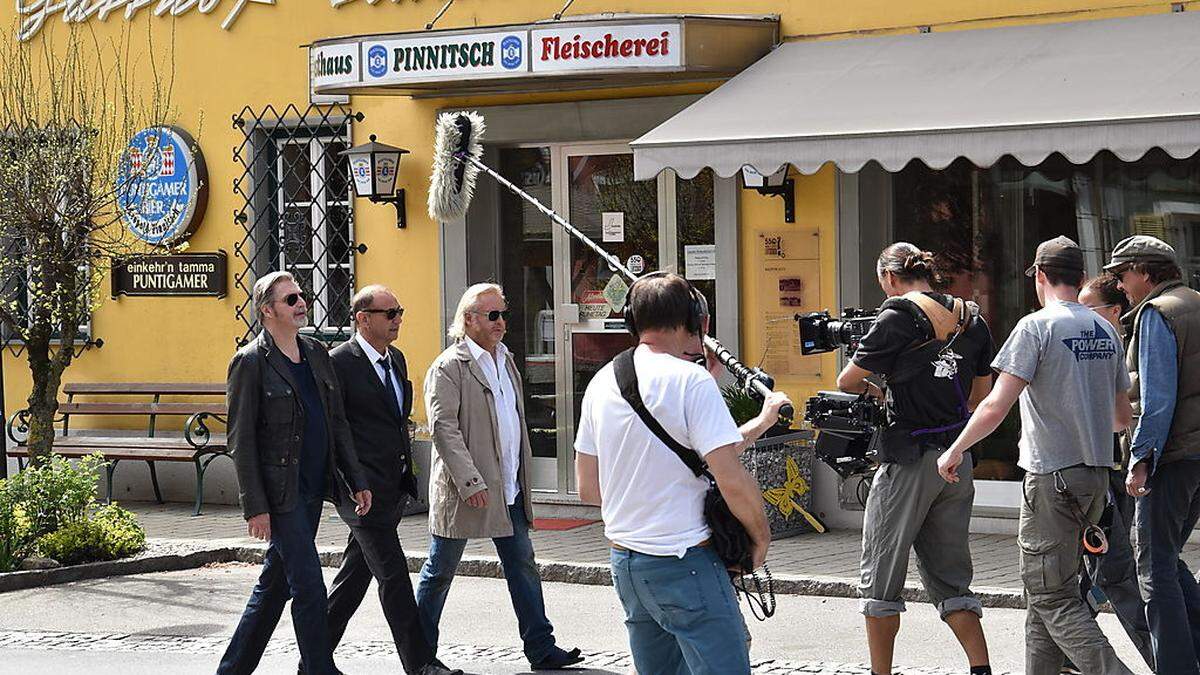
(451, 653)
(834, 554)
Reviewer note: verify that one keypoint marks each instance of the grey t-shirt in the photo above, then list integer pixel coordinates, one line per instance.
(1071, 358)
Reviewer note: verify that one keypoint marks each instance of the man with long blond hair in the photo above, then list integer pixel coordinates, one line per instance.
(479, 485)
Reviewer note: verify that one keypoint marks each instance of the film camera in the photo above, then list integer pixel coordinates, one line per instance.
(820, 332)
(847, 426)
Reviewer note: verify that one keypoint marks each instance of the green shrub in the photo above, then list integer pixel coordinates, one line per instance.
(51, 510)
(111, 533)
(16, 530)
(56, 493)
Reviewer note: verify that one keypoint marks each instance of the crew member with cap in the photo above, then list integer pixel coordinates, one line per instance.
(1064, 363)
(1164, 364)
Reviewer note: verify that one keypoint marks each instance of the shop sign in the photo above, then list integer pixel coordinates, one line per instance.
(162, 185)
(445, 57)
(183, 274)
(557, 50)
(333, 64)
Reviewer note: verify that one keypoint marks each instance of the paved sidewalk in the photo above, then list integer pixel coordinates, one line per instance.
(826, 563)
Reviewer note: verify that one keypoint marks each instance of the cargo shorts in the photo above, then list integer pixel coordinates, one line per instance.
(911, 507)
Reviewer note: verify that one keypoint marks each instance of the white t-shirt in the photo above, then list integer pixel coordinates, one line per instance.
(652, 503)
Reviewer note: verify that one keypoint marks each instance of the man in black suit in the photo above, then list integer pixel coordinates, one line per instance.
(378, 399)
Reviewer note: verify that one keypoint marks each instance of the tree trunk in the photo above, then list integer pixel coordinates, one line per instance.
(43, 400)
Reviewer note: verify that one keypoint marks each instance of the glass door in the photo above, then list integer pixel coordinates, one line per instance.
(602, 199)
(568, 305)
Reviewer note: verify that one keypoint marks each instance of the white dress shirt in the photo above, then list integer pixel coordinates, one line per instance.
(504, 398)
(375, 358)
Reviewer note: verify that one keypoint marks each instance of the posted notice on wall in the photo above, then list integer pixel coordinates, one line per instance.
(613, 226)
(700, 261)
(789, 284)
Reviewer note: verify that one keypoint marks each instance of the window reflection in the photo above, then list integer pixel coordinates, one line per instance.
(984, 224)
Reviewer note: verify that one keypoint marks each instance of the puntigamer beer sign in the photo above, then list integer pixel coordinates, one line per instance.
(183, 274)
(162, 185)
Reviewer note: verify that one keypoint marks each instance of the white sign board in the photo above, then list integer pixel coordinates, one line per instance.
(445, 57)
(557, 50)
(613, 226)
(332, 65)
(700, 261)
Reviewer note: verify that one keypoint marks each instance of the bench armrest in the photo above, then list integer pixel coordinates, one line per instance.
(196, 429)
(17, 426)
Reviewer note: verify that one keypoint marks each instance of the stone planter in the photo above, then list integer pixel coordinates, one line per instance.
(782, 465)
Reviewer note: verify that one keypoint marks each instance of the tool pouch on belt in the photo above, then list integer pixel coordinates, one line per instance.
(729, 538)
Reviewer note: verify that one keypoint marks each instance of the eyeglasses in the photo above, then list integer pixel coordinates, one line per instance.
(391, 313)
(292, 298)
(1096, 307)
(495, 314)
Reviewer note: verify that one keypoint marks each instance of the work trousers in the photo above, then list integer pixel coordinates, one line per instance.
(1057, 622)
(911, 507)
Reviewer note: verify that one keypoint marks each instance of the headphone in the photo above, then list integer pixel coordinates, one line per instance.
(697, 308)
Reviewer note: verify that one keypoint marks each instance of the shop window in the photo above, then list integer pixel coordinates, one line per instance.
(299, 213)
(984, 224)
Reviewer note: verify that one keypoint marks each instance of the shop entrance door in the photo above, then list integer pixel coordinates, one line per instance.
(601, 198)
(567, 304)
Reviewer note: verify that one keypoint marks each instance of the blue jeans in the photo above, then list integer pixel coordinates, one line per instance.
(520, 571)
(681, 613)
(1164, 518)
(292, 571)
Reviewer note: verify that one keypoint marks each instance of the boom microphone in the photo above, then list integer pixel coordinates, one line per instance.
(457, 150)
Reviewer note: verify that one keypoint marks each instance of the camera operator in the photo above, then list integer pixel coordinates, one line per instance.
(933, 352)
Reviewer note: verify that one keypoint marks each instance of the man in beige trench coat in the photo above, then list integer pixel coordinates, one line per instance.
(479, 486)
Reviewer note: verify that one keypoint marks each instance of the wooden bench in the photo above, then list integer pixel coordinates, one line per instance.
(198, 444)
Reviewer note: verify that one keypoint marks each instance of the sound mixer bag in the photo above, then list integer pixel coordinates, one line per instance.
(729, 537)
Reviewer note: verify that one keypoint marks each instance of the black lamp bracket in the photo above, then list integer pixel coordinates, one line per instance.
(788, 191)
(396, 200)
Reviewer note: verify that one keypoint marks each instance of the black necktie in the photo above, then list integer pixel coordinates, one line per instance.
(387, 384)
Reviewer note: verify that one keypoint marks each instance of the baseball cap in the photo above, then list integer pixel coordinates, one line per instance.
(1060, 253)
(1140, 248)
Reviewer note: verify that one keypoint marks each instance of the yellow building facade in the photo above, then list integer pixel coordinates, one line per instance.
(563, 133)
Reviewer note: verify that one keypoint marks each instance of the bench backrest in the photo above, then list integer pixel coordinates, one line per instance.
(152, 409)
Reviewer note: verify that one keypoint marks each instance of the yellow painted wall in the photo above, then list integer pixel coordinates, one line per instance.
(261, 60)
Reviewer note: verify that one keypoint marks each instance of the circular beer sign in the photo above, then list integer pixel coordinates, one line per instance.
(162, 185)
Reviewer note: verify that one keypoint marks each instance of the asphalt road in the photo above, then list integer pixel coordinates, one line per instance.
(177, 622)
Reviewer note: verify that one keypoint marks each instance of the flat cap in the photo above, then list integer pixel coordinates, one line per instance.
(1140, 248)
(1059, 253)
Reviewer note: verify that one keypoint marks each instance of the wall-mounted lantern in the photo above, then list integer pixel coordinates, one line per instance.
(374, 167)
(776, 185)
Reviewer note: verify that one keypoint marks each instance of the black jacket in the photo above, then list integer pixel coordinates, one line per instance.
(266, 420)
(381, 439)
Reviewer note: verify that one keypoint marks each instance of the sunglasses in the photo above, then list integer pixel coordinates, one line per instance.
(390, 313)
(495, 314)
(292, 298)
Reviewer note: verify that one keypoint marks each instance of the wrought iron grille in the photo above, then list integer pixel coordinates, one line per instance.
(298, 211)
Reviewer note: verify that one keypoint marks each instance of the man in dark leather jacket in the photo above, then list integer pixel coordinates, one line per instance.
(292, 449)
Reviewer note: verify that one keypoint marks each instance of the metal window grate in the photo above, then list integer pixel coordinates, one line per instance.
(298, 211)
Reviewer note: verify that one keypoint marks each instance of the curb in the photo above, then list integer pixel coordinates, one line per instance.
(590, 574)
